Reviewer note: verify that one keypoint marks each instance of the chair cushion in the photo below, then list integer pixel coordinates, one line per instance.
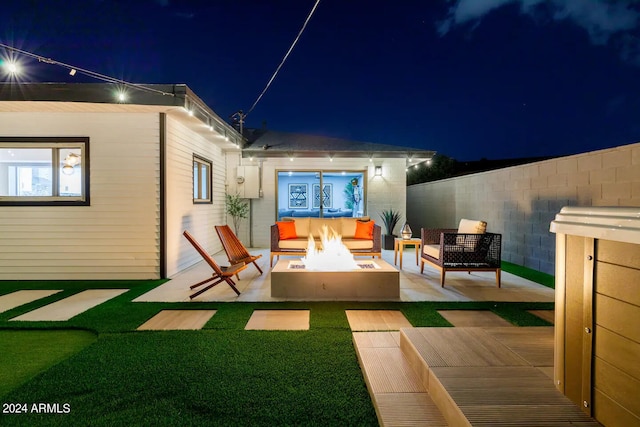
(468, 226)
(472, 227)
(287, 230)
(364, 230)
(432, 250)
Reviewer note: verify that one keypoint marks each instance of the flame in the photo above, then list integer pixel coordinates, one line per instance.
(334, 255)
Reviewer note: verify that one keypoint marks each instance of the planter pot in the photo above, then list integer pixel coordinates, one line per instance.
(388, 241)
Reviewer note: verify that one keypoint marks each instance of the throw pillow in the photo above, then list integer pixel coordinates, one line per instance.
(364, 230)
(472, 226)
(468, 226)
(287, 230)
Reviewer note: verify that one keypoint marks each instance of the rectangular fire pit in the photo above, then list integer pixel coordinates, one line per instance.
(375, 280)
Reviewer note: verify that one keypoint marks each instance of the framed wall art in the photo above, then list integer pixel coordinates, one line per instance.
(327, 196)
(298, 198)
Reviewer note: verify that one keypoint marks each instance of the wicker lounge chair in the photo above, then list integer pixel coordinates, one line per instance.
(461, 250)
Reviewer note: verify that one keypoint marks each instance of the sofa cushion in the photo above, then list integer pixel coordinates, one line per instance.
(364, 230)
(302, 226)
(315, 225)
(358, 244)
(287, 230)
(348, 227)
(299, 244)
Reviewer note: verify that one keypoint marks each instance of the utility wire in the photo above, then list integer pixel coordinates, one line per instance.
(83, 70)
(284, 59)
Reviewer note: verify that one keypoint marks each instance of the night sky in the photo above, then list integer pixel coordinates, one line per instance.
(470, 79)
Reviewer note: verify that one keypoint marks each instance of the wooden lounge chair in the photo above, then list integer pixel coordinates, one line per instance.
(219, 275)
(236, 252)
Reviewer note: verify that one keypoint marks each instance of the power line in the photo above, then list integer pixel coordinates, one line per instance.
(284, 59)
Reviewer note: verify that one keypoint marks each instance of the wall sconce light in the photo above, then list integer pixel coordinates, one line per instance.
(70, 161)
(378, 171)
(67, 170)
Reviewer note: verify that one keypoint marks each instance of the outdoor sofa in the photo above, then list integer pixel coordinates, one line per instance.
(291, 236)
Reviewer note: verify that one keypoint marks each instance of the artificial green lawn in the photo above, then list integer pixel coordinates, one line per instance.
(221, 375)
(23, 354)
(535, 276)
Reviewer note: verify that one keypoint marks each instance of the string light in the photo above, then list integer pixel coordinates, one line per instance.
(73, 70)
(13, 68)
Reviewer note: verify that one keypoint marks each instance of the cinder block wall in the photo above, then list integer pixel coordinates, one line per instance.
(520, 202)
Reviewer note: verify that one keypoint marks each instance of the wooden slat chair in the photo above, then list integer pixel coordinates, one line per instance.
(220, 273)
(236, 252)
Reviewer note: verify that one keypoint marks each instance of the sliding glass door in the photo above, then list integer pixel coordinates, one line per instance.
(320, 194)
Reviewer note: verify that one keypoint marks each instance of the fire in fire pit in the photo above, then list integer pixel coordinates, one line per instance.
(334, 255)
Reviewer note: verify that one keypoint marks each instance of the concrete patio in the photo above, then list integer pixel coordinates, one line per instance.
(477, 286)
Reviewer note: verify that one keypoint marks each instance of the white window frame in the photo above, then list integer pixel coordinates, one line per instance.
(198, 180)
(55, 144)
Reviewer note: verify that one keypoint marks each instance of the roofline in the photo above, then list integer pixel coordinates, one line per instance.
(171, 95)
(404, 154)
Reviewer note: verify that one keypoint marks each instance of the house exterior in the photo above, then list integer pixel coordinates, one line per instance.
(94, 186)
(328, 166)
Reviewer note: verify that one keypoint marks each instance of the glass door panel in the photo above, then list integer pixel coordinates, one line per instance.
(295, 194)
(329, 194)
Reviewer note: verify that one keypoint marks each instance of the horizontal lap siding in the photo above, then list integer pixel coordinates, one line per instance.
(617, 336)
(182, 213)
(117, 237)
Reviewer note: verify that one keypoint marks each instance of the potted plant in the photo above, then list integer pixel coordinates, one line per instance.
(390, 219)
(238, 209)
